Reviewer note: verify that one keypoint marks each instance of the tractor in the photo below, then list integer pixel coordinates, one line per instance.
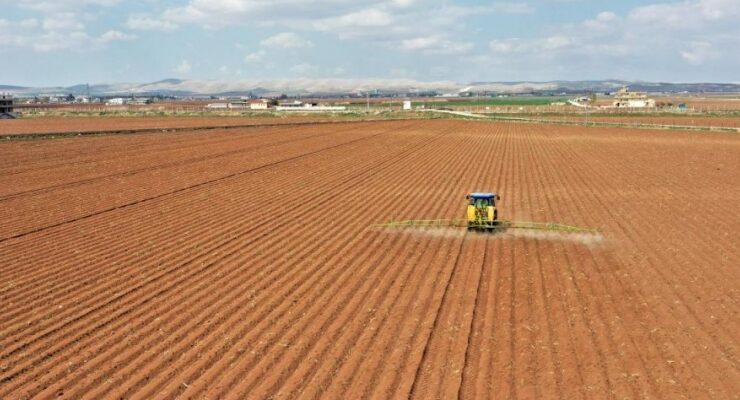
(482, 213)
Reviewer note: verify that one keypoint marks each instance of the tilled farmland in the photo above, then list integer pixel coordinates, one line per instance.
(61, 125)
(248, 263)
(637, 119)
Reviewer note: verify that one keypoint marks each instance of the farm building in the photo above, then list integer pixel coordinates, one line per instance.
(6, 106)
(261, 104)
(626, 99)
(301, 106)
(294, 104)
(140, 101)
(238, 104)
(119, 101)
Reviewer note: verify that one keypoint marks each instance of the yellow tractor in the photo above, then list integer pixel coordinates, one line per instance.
(482, 213)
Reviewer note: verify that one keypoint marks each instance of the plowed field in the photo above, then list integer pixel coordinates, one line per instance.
(679, 120)
(93, 124)
(246, 264)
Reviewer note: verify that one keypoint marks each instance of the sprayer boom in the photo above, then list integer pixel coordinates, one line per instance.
(496, 226)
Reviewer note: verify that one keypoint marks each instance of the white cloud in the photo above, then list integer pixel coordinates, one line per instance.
(393, 24)
(29, 23)
(687, 13)
(146, 23)
(114, 36)
(506, 45)
(403, 3)
(62, 22)
(51, 41)
(60, 5)
(436, 45)
(58, 25)
(255, 57)
(219, 13)
(60, 33)
(240, 12)
(286, 40)
(183, 68)
(419, 43)
(696, 35)
(634, 44)
(370, 17)
(510, 8)
(556, 42)
(451, 48)
(698, 53)
(604, 21)
(532, 46)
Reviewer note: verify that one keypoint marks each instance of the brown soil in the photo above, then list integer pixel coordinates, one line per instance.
(679, 120)
(245, 264)
(97, 124)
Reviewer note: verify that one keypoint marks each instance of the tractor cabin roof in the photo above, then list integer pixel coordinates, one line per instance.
(482, 195)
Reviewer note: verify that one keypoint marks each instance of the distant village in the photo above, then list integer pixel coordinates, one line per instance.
(265, 104)
(621, 99)
(85, 99)
(222, 103)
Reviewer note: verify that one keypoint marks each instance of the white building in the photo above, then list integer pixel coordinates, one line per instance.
(626, 99)
(141, 102)
(261, 104)
(312, 107)
(294, 104)
(239, 104)
(407, 105)
(118, 101)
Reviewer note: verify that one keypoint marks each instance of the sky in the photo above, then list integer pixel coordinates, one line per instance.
(67, 42)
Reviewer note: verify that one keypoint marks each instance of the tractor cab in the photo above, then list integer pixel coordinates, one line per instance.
(482, 213)
(482, 199)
